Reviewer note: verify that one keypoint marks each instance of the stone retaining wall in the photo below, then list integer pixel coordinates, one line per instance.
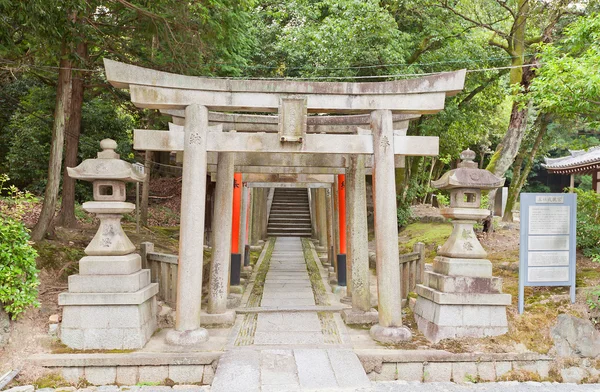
(132, 368)
(442, 366)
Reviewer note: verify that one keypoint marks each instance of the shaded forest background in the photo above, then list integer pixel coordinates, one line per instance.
(532, 90)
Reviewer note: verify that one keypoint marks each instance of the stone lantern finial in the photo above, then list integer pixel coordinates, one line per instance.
(108, 147)
(467, 157)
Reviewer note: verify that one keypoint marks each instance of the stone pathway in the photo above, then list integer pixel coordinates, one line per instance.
(304, 358)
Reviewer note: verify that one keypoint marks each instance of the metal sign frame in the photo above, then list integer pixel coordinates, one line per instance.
(551, 241)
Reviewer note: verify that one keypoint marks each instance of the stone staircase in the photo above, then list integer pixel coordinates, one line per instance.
(290, 213)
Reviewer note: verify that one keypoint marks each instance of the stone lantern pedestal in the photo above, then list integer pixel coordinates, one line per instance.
(460, 297)
(111, 303)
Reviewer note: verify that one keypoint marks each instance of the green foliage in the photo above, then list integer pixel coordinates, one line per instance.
(443, 199)
(588, 222)
(568, 83)
(18, 272)
(31, 130)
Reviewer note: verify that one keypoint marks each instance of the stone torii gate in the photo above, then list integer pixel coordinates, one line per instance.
(292, 101)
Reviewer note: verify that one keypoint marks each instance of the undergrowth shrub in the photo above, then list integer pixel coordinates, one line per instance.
(588, 223)
(18, 271)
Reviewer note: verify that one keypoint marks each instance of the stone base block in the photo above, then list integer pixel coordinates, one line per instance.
(462, 267)
(390, 335)
(187, 338)
(236, 289)
(227, 318)
(102, 299)
(441, 321)
(110, 265)
(109, 283)
(463, 298)
(108, 327)
(463, 284)
(351, 316)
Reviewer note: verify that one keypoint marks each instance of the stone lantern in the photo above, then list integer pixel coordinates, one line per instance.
(460, 297)
(111, 303)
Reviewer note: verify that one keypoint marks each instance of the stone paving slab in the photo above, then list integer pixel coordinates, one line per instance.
(287, 301)
(238, 371)
(314, 369)
(292, 322)
(288, 338)
(348, 369)
(306, 293)
(278, 367)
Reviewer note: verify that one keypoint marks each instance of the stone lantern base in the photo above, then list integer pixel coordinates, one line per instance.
(111, 304)
(460, 306)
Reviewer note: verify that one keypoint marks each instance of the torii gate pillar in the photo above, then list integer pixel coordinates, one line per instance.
(187, 329)
(389, 329)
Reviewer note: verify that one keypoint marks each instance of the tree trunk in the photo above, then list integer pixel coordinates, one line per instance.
(146, 188)
(519, 180)
(63, 93)
(66, 216)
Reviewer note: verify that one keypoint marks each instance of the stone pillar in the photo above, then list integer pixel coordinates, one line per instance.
(322, 219)
(329, 223)
(361, 312)
(349, 192)
(255, 217)
(335, 222)
(264, 218)
(313, 215)
(219, 267)
(244, 219)
(191, 233)
(389, 329)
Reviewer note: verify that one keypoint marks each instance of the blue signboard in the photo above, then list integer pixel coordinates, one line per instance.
(547, 253)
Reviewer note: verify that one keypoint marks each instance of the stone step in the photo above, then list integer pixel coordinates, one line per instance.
(290, 223)
(287, 231)
(275, 219)
(289, 369)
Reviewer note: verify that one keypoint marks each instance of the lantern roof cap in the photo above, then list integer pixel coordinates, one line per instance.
(468, 175)
(107, 166)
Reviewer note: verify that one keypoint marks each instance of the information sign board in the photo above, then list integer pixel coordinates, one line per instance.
(547, 252)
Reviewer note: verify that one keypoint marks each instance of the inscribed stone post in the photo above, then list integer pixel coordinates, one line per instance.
(389, 329)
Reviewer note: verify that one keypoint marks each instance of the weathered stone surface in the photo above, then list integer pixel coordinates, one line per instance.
(575, 337)
(4, 327)
(352, 316)
(72, 374)
(389, 372)
(348, 370)
(412, 371)
(238, 371)
(390, 335)
(23, 388)
(101, 375)
(186, 373)
(437, 372)
(314, 369)
(573, 374)
(209, 375)
(110, 265)
(225, 318)
(127, 375)
(486, 371)
(153, 373)
(464, 372)
(109, 283)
